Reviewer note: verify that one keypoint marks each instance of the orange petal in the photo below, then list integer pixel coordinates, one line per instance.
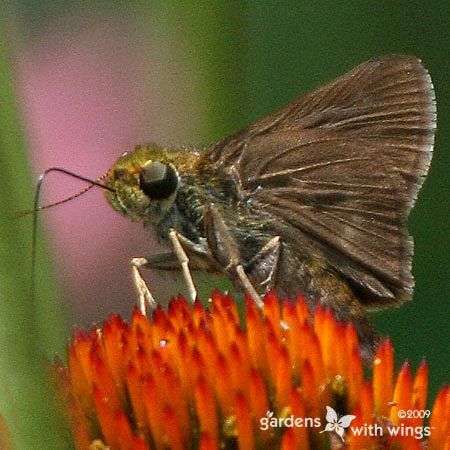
(172, 429)
(205, 407)
(440, 421)
(383, 378)
(244, 428)
(402, 394)
(207, 442)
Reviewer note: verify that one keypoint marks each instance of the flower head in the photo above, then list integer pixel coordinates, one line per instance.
(195, 378)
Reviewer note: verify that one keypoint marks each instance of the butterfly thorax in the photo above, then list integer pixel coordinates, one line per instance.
(197, 190)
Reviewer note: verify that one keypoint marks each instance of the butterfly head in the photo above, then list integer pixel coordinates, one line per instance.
(144, 182)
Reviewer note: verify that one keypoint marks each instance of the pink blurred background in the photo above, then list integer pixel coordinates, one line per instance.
(90, 89)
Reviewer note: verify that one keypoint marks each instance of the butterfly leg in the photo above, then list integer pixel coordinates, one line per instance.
(263, 267)
(144, 294)
(161, 261)
(225, 252)
(186, 255)
(183, 259)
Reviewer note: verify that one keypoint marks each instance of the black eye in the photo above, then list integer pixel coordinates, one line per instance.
(158, 181)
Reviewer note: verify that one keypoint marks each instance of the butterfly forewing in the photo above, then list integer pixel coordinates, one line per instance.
(339, 169)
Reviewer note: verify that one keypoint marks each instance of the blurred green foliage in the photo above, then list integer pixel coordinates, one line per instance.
(28, 331)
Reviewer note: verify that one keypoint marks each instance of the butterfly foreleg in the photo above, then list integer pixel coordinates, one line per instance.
(186, 255)
(144, 294)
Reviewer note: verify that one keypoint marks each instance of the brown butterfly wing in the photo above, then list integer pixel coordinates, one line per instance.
(339, 170)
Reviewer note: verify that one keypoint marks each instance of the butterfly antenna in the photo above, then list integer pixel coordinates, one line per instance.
(37, 208)
(65, 200)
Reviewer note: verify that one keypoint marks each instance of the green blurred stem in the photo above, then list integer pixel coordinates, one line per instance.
(30, 331)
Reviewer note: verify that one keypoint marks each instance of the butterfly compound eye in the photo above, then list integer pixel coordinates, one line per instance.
(158, 181)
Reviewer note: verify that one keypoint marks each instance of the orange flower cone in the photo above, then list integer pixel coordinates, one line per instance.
(193, 378)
